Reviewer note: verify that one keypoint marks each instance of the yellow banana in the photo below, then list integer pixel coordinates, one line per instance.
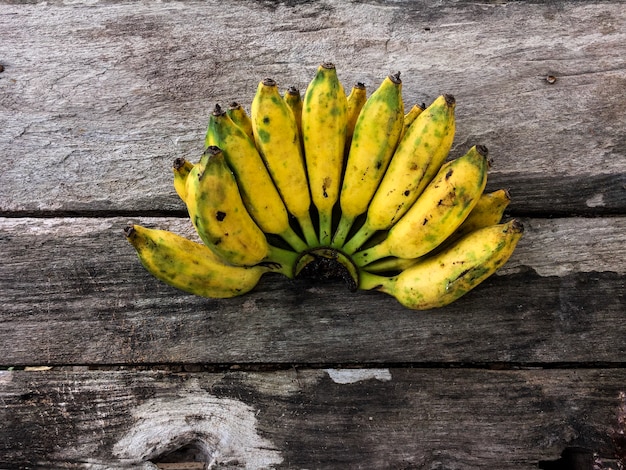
(294, 101)
(488, 211)
(443, 206)
(219, 215)
(376, 135)
(190, 266)
(276, 137)
(409, 117)
(258, 192)
(417, 159)
(356, 101)
(438, 280)
(324, 122)
(241, 118)
(181, 168)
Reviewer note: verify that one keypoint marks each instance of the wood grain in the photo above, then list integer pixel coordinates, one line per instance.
(98, 98)
(98, 101)
(407, 418)
(74, 292)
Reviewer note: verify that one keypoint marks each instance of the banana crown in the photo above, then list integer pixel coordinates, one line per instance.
(334, 184)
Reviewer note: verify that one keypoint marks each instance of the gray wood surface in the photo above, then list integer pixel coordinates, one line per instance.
(333, 418)
(87, 300)
(97, 99)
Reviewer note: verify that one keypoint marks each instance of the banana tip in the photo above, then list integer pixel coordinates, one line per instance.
(517, 226)
(179, 162)
(482, 150)
(328, 65)
(218, 111)
(129, 230)
(450, 100)
(395, 78)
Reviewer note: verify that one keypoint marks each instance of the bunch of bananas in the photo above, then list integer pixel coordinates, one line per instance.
(334, 184)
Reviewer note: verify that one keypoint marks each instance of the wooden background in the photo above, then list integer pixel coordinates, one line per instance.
(102, 366)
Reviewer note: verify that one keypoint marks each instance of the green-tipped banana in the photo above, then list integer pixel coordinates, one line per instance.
(219, 215)
(375, 138)
(276, 136)
(191, 266)
(438, 280)
(324, 121)
(255, 183)
(440, 210)
(241, 118)
(417, 159)
(488, 211)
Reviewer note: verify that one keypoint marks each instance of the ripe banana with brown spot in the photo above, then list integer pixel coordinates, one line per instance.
(219, 215)
(276, 136)
(417, 159)
(488, 211)
(324, 120)
(257, 189)
(438, 212)
(376, 135)
(190, 266)
(438, 280)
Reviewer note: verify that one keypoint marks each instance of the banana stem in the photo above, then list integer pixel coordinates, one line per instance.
(309, 230)
(369, 281)
(345, 224)
(294, 240)
(374, 253)
(361, 236)
(326, 219)
(390, 264)
(281, 261)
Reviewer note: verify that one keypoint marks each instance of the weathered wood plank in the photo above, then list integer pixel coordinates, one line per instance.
(73, 292)
(98, 99)
(362, 418)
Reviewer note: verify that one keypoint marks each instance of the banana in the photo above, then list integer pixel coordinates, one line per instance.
(181, 168)
(219, 215)
(392, 215)
(294, 101)
(441, 279)
(258, 192)
(356, 100)
(190, 266)
(488, 211)
(409, 117)
(241, 118)
(376, 135)
(417, 159)
(276, 136)
(443, 206)
(324, 120)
